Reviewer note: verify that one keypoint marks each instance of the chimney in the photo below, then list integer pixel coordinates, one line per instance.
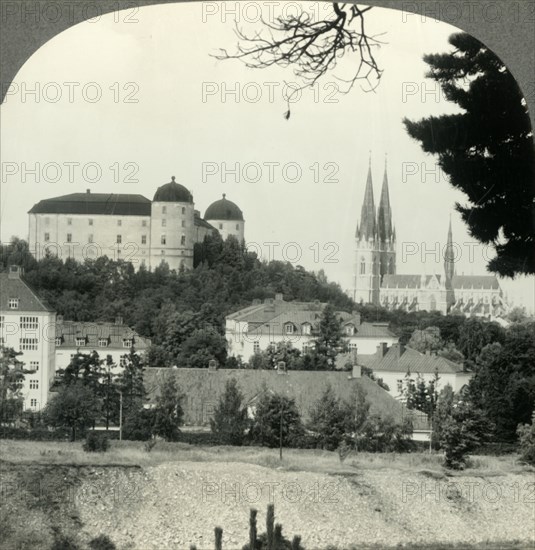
(278, 297)
(212, 365)
(88, 191)
(382, 348)
(281, 367)
(15, 271)
(118, 320)
(357, 371)
(59, 318)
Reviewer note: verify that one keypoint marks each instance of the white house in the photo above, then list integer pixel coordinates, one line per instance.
(28, 325)
(395, 363)
(254, 328)
(113, 339)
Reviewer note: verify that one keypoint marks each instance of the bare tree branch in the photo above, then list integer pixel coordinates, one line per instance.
(312, 48)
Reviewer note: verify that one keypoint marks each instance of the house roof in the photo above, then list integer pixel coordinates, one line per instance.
(403, 360)
(198, 221)
(114, 333)
(95, 203)
(13, 286)
(205, 387)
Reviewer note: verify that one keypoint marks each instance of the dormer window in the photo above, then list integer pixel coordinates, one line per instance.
(306, 328)
(13, 303)
(127, 342)
(102, 342)
(350, 330)
(58, 341)
(80, 342)
(289, 328)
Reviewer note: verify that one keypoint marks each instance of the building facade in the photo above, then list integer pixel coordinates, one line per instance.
(254, 328)
(376, 281)
(130, 227)
(28, 325)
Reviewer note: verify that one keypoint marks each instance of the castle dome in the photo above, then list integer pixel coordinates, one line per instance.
(223, 209)
(172, 192)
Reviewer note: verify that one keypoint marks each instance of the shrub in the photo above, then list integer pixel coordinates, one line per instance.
(102, 542)
(138, 425)
(96, 443)
(526, 436)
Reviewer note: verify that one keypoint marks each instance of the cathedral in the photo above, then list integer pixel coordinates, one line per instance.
(375, 280)
(130, 227)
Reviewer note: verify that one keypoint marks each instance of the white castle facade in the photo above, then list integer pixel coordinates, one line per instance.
(130, 227)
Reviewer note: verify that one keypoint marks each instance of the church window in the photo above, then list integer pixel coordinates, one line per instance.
(163, 240)
(362, 266)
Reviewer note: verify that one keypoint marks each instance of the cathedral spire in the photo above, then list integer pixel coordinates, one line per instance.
(367, 226)
(384, 212)
(449, 256)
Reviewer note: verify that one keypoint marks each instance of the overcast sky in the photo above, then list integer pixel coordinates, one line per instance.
(166, 108)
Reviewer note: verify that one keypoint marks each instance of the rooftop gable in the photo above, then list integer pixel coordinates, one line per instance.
(13, 286)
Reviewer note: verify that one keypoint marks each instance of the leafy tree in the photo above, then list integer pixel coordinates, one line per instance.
(462, 432)
(526, 437)
(11, 384)
(130, 381)
(201, 347)
(487, 150)
(74, 407)
(230, 420)
(476, 334)
(427, 339)
(168, 412)
(267, 423)
(442, 413)
(421, 395)
(139, 424)
(330, 421)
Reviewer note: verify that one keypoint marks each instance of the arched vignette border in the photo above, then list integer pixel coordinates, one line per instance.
(508, 28)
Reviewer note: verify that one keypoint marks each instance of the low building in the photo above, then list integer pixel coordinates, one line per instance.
(27, 324)
(113, 339)
(254, 328)
(398, 363)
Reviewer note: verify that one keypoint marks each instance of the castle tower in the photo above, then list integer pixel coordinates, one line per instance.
(227, 218)
(172, 226)
(366, 279)
(386, 233)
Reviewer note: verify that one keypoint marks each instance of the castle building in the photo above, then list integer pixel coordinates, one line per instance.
(130, 227)
(375, 280)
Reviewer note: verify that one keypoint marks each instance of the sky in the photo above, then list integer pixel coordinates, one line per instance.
(124, 102)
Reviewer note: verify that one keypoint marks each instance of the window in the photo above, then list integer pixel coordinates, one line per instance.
(399, 386)
(33, 403)
(13, 303)
(69, 237)
(47, 237)
(237, 227)
(183, 240)
(350, 330)
(2, 340)
(127, 343)
(143, 223)
(183, 223)
(69, 221)
(305, 328)
(2, 319)
(119, 239)
(102, 342)
(353, 346)
(119, 223)
(183, 210)
(163, 252)
(34, 365)
(305, 348)
(220, 226)
(29, 322)
(47, 221)
(58, 341)
(34, 384)
(164, 209)
(80, 342)
(90, 221)
(143, 239)
(164, 222)
(90, 238)
(28, 344)
(163, 240)
(256, 347)
(289, 328)
(362, 266)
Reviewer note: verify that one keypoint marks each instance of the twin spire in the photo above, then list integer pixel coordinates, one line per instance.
(376, 225)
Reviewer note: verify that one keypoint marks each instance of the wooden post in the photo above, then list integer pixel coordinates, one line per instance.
(120, 416)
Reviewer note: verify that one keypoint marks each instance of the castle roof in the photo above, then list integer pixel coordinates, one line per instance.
(223, 209)
(172, 192)
(95, 203)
